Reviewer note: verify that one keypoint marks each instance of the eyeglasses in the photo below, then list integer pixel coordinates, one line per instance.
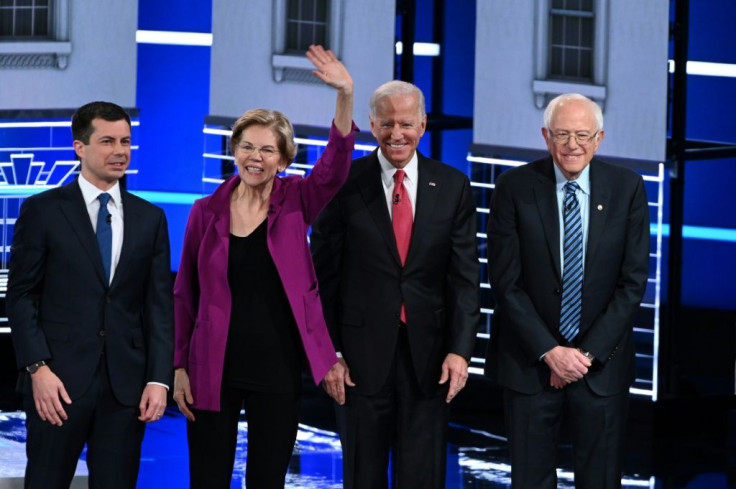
(582, 138)
(265, 151)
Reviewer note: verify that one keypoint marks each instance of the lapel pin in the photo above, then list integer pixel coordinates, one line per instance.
(432, 184)
(600, 207)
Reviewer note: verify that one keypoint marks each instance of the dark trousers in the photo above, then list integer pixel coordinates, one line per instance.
(399, 418)
(272, 425)
(597, 430)
(111, 430)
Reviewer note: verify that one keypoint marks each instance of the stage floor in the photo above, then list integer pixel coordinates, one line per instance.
(476, 459)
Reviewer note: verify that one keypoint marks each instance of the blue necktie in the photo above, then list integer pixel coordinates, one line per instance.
(572, 276)
(104, 233)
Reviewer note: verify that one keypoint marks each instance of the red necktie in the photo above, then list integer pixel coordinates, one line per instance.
(401, 216)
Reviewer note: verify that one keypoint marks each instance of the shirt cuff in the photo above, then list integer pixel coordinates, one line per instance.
(159, 383)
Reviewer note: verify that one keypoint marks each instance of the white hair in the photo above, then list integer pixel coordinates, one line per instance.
(555, 103)
(397, 87)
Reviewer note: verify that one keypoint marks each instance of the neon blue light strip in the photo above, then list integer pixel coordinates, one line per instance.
(167, 197)
(699, 232)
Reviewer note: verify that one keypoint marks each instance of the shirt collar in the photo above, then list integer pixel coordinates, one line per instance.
(90, 193)
(387, 170)
(583, 179)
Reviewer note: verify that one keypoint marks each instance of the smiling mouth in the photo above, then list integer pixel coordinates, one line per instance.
(397, 146)
(253, 169)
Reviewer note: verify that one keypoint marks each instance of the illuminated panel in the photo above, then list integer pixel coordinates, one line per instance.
(704, 68)
(484, 172)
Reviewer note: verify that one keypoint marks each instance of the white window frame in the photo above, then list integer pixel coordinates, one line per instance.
(53, 53)
(545, 88)
(293, 67)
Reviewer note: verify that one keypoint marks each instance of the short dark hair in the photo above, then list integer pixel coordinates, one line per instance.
(82, 119)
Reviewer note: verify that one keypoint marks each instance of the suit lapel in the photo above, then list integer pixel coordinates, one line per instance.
(74, 209)
(544, 194)
(131, 220)
(428, 190)
(219, 205)
(371, 189)
(597, 210)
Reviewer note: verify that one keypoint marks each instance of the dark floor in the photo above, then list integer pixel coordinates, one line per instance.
(672, 445)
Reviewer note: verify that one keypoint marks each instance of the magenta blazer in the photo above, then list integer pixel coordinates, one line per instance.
(202, 299)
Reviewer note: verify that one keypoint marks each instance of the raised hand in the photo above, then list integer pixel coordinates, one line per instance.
(329, 69)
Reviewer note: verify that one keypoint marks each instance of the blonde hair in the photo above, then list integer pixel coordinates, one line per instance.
(271, 119)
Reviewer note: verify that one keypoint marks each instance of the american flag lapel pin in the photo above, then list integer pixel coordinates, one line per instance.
(432, 184)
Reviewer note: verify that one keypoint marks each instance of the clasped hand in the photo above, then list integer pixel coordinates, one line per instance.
(567, 365)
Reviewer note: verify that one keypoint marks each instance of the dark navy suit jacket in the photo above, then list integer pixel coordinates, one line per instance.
(61, 309)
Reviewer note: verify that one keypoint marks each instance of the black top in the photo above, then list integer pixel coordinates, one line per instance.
(263, 350)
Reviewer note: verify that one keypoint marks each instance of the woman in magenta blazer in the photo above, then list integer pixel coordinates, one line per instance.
(247, 307)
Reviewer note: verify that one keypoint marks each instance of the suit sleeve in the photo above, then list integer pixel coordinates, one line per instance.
(464, 276)
(159, 309)
(607, 330)
(186, 288)
(329, 173)
(27, 266)
(328, 236)
(505, 269)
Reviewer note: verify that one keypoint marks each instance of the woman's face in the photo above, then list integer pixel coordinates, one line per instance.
(257, 156)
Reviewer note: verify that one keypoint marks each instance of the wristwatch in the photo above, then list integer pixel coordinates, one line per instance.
(32, 368)
(588, 355)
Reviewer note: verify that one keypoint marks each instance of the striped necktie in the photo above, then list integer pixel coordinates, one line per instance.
(572, 276)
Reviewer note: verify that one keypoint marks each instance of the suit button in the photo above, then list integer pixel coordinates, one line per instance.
(557, 292)
(102, 332)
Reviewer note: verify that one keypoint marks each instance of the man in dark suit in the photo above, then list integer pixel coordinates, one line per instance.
(398, 269)
(568, 253)
(90, 310)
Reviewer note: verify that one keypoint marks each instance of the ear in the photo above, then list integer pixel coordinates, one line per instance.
(423, 125)
(545, 134)
(79, 148)
(373, 126)
(599, 139)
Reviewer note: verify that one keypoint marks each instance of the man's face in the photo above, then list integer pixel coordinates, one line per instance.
(398, 128)
(107, 155)
(572, 154)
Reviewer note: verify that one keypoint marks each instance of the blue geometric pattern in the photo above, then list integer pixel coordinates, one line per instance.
(572, 276)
